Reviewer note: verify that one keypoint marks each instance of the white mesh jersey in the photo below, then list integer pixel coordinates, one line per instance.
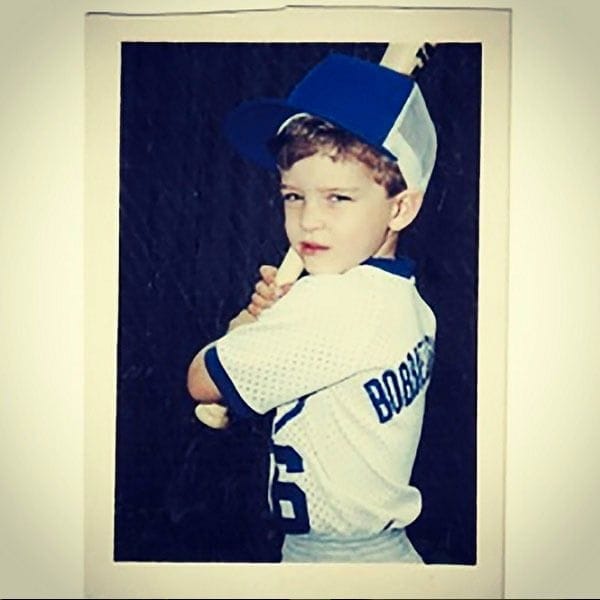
(346, 361)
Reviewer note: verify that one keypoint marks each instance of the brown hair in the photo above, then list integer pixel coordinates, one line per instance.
(306, 135)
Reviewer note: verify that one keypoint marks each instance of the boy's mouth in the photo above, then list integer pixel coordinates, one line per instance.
(311, 248)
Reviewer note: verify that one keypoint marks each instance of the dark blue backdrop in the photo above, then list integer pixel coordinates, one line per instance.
(196, 221)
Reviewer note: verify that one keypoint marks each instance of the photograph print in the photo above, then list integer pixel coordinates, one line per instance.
(329, 443)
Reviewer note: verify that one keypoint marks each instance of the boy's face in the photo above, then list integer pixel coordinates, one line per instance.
(336, 215)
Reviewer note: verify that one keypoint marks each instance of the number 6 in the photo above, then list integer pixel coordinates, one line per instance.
(287, 457)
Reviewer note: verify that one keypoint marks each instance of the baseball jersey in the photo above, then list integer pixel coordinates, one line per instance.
(345, 359)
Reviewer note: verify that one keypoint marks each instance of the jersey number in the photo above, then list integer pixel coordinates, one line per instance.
(287, 493)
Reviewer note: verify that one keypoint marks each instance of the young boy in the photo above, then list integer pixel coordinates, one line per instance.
(345, 356)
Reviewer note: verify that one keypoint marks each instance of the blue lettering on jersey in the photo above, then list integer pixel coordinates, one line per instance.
(392, 388)
(395, 389)
(380, 401)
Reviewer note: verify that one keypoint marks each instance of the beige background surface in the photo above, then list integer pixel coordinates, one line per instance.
(552, 409)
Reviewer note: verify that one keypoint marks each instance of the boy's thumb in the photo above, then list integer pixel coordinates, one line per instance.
(268, 273)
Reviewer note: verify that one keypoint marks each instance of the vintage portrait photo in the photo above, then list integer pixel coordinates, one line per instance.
(196, 222)
(349, 410)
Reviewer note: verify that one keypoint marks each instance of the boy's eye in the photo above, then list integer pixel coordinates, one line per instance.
(291, 197)
(335, 198)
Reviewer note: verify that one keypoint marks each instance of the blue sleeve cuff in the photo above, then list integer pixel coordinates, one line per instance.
(231, 396)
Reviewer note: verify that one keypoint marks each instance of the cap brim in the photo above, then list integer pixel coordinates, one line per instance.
(253, 124)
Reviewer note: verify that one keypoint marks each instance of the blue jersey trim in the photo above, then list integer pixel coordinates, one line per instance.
(401, 266)
(231, 396)
(288, 416)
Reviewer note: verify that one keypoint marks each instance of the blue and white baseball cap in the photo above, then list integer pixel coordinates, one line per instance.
(380, 106)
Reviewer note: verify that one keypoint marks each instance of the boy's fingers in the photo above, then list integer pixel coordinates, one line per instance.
(266, 291)
(282, 290)
(260, 301)
(268, 273)
(254, 310)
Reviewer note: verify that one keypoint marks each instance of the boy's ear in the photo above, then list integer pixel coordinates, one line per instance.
(406, 206)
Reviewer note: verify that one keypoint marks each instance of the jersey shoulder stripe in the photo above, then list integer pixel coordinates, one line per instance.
(288, 416)
(231, 396)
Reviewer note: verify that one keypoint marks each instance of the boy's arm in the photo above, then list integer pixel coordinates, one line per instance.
(274, 284)
(199, 382)
(202, 388)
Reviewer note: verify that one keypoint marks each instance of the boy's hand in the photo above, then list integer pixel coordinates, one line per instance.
(213, 415)
(267, 292)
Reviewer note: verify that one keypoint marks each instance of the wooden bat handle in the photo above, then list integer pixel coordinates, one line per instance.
(290, 268)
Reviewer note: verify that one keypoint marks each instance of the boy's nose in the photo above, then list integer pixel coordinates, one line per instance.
(312, 216)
